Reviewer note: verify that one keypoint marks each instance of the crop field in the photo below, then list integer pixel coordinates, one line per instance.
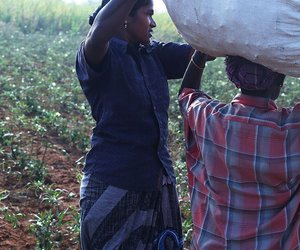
(45, 121)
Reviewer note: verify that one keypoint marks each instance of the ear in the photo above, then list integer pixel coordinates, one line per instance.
(129, 20)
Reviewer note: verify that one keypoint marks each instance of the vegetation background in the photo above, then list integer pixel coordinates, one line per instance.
(45, 121)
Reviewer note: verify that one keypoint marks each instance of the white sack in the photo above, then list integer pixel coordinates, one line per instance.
(263, 31)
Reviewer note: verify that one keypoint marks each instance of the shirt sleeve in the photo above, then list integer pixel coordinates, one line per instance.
(174, 58)
(193, 105)
(190, 102)
(85, 73)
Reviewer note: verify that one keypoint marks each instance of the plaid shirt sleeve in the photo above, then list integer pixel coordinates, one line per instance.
(244, 175)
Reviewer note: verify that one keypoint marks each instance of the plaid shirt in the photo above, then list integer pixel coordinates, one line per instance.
(243, 161)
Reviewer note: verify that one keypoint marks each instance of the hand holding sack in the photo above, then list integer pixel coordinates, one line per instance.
(266, 32)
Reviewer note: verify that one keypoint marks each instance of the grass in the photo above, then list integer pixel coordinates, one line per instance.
(51, 16)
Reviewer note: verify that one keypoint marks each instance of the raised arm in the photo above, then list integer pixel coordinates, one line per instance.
(108, 22)
(194, 71)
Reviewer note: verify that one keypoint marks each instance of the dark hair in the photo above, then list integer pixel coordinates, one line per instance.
(138, 4)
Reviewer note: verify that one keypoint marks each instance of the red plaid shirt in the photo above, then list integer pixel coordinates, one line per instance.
(243, 160)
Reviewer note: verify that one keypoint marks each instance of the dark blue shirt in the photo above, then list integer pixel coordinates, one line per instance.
(129, 99)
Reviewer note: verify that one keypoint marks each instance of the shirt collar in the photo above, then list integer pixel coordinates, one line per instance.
(258, 102)
(123, 45)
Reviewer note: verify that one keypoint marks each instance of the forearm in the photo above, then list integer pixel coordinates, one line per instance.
(194, 71)
(111, 18)
(107, 23)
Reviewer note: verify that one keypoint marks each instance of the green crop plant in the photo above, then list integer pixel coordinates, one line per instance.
(10, 217)
(37, 170)
(37, 187)
(52, 196)
(74, 224)
(46, 228)
(42, 227)
(4, 194)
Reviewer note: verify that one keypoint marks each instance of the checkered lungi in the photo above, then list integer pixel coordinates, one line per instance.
(114, 218)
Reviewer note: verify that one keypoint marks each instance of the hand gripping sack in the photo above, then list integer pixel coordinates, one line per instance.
(263, 31)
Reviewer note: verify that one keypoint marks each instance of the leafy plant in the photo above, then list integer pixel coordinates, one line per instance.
(45, 226)
(4, 194)
(10, 217)
(52, 196)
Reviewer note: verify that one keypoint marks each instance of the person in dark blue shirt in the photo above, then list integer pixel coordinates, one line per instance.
(128, 198)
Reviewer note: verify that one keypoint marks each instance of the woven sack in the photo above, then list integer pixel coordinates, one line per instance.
(263, 31)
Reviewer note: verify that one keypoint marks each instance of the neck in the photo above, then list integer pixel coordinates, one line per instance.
(258, 93)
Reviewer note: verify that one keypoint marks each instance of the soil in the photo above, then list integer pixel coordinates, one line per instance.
(60, 161)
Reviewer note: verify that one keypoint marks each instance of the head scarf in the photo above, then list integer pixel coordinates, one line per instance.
(248, 75)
